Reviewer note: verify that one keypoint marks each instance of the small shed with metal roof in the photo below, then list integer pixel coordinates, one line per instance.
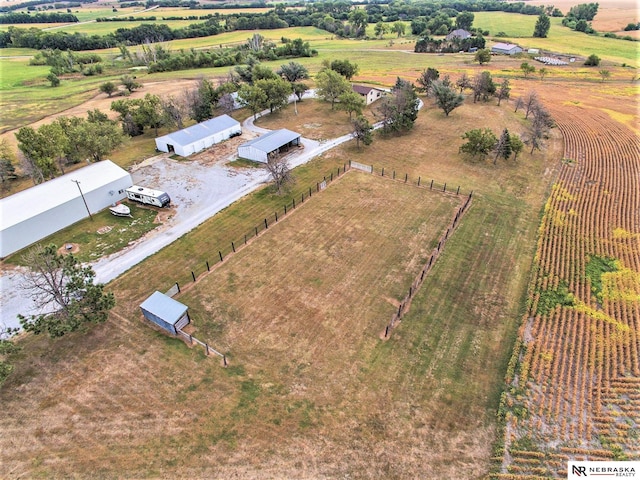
(165, 312)
(276, 141)
(202, 135)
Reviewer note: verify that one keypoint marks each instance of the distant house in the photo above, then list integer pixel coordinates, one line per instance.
(196, 138)
(533, 51)
(506, 49)
(370, 94)
(276, 141)
(460, 34)
(165, 312)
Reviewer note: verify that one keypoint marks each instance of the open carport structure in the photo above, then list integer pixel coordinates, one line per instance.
(276, 141)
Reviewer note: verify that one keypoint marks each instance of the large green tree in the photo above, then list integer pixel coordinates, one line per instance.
(330, 85)
(252, 97)
(345, 68)
(39, 153)
(479, 142)
(543, 24)
(65, 289)
(293, 72)
(358, 19)
(351, 102)
(446, 97)
(400, 109)
(362, 131)
(277, 92)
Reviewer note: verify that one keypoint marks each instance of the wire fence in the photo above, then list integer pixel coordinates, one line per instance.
(403, 308)
(240, 241)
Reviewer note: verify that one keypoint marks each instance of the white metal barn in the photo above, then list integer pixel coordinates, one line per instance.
(259, 148)
(31, 215)
(196, 138)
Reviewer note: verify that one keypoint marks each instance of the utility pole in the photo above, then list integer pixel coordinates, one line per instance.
(77, 182)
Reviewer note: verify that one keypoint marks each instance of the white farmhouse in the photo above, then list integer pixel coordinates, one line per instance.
(196, 138)
(370, 94)
(29, 216)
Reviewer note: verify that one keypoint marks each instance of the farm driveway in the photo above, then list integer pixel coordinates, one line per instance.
(198, 188)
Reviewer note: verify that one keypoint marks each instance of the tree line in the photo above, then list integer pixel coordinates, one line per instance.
(38, 18)
(32, 4)
(338, 18)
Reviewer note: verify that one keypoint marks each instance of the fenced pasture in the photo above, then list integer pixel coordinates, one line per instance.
(335, 266)
(576, 370)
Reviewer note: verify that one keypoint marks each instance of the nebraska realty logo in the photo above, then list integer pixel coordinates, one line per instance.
(581, 470)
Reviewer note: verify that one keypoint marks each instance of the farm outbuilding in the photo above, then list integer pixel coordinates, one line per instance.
(506, 49)
(459, 34)
(370, 94)
(196, 138)
(39, 211)
(276, 141)
(165, 312)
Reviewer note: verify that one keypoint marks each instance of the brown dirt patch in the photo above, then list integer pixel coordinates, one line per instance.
(69, 248)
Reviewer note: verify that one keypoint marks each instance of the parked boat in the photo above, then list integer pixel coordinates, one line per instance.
(120, 210)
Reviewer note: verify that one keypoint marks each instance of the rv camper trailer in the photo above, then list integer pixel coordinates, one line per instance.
(148, 196)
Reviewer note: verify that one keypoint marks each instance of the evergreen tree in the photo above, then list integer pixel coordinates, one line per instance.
(541, 30)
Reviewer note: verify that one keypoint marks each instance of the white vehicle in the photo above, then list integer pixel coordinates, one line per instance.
(148, 196)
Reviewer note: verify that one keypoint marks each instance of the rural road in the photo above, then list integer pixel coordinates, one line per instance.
(206, 191)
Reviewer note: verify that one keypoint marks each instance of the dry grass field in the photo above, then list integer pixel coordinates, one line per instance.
(311, 391)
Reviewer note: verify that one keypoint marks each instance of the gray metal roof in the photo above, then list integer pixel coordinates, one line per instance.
(164, 307)
(200, 131)
(35, 200)
(272, 141)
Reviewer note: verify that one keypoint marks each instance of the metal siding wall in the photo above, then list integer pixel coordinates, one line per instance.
(162, 145)
(36, 228)
(158, 321)
(100, 198)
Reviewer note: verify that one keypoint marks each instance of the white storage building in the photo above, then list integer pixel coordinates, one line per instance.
(259, 148)
(33, 214)
(506, 48)
(196, 138)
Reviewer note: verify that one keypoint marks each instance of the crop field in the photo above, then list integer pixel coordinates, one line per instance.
(576, 391)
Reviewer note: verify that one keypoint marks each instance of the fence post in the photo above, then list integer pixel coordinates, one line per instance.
(178, 287)
(276, 216)
(256, 231)
(372, 169)
(193, 275)
(285, 208)
(206, 351)
(266, 225)
(410, 291)
(318, 187)
(431, 187)
(394, 175)
(458, 191)
(233, 247)
(294, 202)
(331, 177)
(382, 174)
(399, 309)
(406, 177)
(208, 266)
(349, 163)
(310, 188)
(224, 360)
(444, 189)
(386, 331)
(418, 181)
(245, 238)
